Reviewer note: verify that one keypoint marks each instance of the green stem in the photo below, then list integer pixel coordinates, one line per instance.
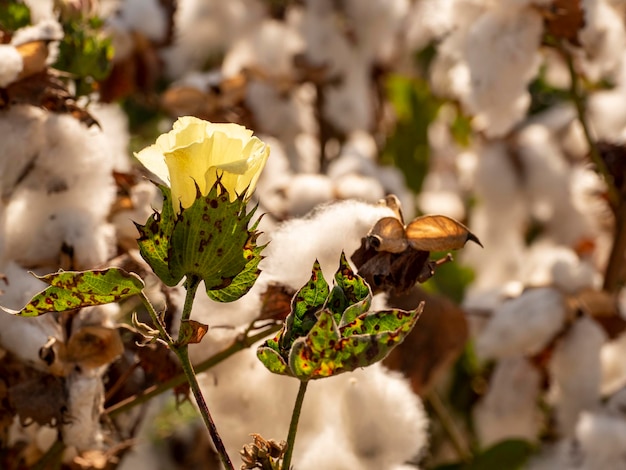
(181, 348)
(449, 427)
(580, 104)
(145, 396)
(293, 427)
(156, 320)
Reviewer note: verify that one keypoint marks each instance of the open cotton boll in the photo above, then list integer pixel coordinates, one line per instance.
(547, 263)
(509, 409)
(336, 419)
(204, 28)
(523, 325)
(321, 235)
(377, 25)
(394, 427)
(603, 39)
(147, 17)
(306, 191)
(270, 48)
(25, 125)
(576, 372)
(359, 187)
(11, 64)
(613, 365)
(24, 337)
(501, 50)
(114, 124)
(429, 20)
(85, 402)
(601, 441)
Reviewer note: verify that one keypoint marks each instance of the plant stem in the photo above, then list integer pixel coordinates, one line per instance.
(181, 348)
(151, 392)
(293, 427)
(449, 427)
(579, 102)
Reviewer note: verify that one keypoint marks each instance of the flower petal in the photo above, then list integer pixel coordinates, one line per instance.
(153, 159)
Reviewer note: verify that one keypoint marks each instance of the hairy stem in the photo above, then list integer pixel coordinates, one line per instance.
(293, 427)
(181, 348)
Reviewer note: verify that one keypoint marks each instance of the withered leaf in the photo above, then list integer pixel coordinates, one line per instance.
(276, 302)
(192, 331)
(438, 233)
(46, 91)
(603, 307)
(433, 347)
(563, 19)
(41, 400)
(391, 272)
(93, 346)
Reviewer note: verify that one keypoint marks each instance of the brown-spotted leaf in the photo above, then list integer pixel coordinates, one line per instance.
(70, 290)
(438, 233)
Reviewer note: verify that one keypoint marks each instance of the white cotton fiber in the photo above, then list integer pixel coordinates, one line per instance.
(523, 325)
(85, 402)
(369, 419)
(601, 439)
(575, 371)
(509, 409)
(11, 64)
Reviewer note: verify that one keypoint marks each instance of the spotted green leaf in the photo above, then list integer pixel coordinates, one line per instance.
(69, 290)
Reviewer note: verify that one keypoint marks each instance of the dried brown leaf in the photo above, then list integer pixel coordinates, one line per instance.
(431, 349)
(563, 19)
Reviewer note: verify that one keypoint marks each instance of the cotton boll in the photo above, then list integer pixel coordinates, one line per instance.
(305, 191)
(502, 41)
(205, 28)
(270, 49)
(377, 25)
(85, 402)
(45, 30)
(613, 365)
(429, 20)
(548, 263)
(394, 427)
(575, 370)
(147, 17)
(24, 337)
(349, 106)
(601, 438)
(509, 409)
(499, 219)
(26, 126)
(358, 187)
(11, 64)
(603, 39)
(114, 124)
(523, 325)
(322, 235)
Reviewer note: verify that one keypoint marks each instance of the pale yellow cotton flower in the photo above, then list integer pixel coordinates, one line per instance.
(197, 151)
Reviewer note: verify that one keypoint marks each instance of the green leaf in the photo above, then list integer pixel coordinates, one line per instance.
(511, 454)
(374, 323)
(243, 281)
(70, 290)
(154, 239)
(354, 286)
(14, 16)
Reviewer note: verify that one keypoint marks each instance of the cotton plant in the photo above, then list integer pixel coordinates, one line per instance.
(204, 236)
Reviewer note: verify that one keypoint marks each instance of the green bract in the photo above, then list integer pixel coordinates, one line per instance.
(209, 240)
(330, 331)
